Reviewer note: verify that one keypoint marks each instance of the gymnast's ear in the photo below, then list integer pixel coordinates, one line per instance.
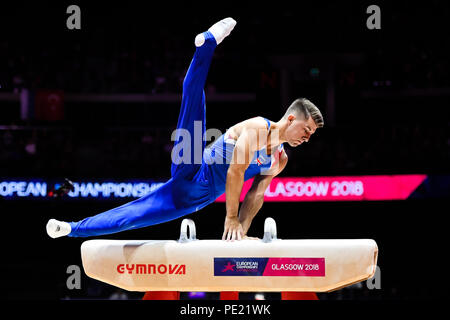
(291, 117)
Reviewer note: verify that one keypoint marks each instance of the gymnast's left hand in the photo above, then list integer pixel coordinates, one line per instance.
(233, 229)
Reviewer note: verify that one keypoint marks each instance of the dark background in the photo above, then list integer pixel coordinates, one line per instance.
(389, 114)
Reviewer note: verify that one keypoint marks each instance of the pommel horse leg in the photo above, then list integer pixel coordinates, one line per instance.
(229, 295)
(162, 295)
(290, 295)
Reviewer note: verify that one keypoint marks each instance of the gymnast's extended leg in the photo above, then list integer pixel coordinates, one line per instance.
(178, 196)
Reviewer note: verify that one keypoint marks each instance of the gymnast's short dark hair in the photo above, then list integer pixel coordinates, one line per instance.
(305, 108)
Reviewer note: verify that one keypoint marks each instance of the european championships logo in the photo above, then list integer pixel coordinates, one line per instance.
(238, 266)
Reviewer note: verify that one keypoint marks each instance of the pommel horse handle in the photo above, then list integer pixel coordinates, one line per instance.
(185, 225)
(270, 230)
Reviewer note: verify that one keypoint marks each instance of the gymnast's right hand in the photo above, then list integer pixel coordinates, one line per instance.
(233, 229)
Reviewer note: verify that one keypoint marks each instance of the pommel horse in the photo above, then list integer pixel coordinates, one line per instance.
(296, 268)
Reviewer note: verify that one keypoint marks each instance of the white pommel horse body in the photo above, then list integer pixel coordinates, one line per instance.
(267, 265)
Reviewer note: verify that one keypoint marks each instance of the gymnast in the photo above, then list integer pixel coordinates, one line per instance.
(250, 149)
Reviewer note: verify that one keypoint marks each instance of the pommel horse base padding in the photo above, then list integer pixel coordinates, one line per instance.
(267, 265)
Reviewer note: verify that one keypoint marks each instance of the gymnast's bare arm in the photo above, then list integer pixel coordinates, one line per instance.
(254, 198)
(251, 136)
(242, 154)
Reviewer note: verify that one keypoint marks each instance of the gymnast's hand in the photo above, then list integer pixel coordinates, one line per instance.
(233, 229)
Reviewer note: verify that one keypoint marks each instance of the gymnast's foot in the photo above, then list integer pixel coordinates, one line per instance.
(56, 229)
(220, 30)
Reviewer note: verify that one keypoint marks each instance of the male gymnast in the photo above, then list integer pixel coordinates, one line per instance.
(250, 149)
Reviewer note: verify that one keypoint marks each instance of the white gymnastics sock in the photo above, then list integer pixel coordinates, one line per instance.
(56, 229)
(220, 30)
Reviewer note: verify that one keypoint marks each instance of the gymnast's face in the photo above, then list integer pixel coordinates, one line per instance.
(299, 130)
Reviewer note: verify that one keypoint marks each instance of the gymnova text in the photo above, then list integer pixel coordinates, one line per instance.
(151, 268)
